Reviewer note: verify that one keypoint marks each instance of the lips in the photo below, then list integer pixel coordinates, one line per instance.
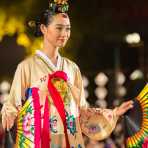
(62, 40)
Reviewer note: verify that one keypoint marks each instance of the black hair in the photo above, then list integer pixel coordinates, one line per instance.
(45, 19)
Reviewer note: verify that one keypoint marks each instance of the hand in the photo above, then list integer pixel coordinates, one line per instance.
(123, 108)
(8, 121)
(9, 115)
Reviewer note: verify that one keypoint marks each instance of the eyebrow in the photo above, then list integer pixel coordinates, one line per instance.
(61, 25)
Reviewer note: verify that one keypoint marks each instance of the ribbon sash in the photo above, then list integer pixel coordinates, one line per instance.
(42, 138)
(57, 99)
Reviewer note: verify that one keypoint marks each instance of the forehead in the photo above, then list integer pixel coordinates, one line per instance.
(60, 18)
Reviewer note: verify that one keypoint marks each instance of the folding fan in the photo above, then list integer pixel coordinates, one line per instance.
(24, 137)
(136, 121)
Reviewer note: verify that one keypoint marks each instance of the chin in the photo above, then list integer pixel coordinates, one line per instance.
(61, 45)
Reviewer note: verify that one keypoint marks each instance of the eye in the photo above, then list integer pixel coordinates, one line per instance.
(59, 28)
(68, 29)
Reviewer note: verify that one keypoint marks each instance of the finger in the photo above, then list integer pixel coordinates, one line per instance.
(128, 103)
(10, 122)
(3, 122)
(7, 125)
(129, 106)
(126, 108)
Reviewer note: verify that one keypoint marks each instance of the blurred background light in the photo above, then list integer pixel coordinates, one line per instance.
(4, 86)
(85, 81)
(85, 85)
(3, 98)
(86, 93)
(121, 91)
(101, 79)
(101, 103)
(116, 102)
(136, 74)
(101, 92)
(133, 38)
(120, 78)
(23, 40)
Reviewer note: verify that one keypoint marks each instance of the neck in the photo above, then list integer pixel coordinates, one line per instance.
(50, 51)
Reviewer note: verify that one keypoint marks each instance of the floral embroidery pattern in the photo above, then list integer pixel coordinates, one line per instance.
(94, 128)
(63, 89)
(53, 124)
(71, 124)
(27, 121)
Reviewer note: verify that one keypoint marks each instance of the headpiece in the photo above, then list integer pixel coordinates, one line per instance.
(58, 6)
(55, 6)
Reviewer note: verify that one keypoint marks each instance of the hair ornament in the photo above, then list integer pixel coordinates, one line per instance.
(60, 6)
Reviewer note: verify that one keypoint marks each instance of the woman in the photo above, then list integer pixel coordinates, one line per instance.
(47, 95)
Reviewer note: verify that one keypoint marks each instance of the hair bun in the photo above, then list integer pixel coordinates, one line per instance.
(32, 24)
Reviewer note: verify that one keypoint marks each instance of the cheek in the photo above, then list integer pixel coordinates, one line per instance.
(68, 35)
(51, 35)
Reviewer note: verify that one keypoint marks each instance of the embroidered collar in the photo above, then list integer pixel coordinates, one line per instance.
(46, 59)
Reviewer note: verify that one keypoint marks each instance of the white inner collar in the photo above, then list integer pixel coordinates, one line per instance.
(48, 61)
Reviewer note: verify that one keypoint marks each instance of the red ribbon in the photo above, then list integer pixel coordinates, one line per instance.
(44, 140)
(46, 127)
(37, 117)
(41, 139)
(57, 99)
(145, 144)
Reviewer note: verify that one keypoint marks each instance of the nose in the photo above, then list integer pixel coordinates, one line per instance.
(65, 33)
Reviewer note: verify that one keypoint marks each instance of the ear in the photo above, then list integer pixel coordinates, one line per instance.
(43, 28)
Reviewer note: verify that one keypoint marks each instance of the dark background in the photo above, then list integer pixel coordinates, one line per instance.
(98, 29)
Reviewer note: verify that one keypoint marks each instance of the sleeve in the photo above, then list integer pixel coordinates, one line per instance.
(77, 89)
(17, 94)
(96, 123)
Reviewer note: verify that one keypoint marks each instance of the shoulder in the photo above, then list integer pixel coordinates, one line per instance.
(71, 63)
(26, 63)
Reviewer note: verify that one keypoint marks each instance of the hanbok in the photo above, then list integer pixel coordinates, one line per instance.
(49, 104)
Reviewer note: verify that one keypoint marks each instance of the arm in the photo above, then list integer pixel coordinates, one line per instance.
(99, 123)
(77, 89)
(97, 118)
(13, 102)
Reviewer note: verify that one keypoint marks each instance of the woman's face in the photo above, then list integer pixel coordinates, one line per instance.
(57, 32)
